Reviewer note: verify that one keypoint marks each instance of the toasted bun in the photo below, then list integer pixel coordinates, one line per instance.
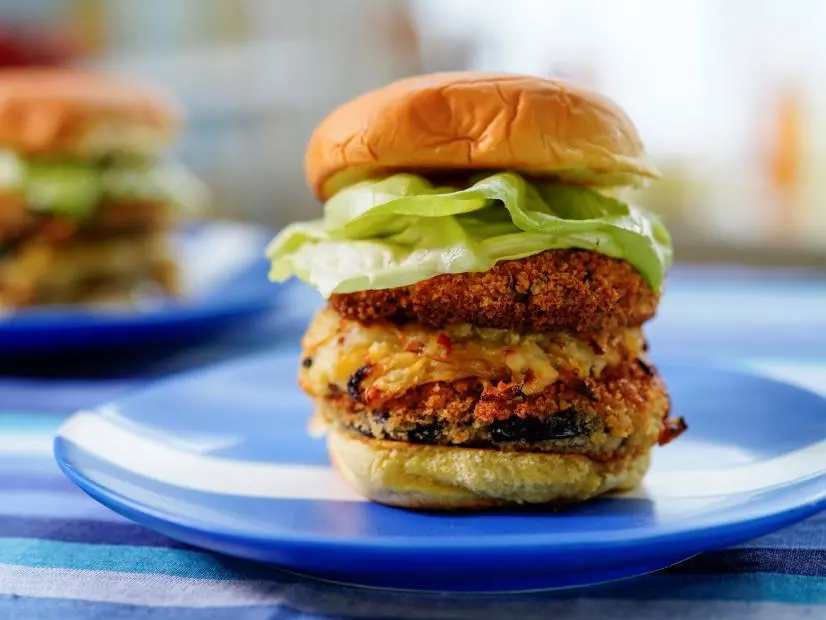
(445, 478)
(56, 111)
(477, 121)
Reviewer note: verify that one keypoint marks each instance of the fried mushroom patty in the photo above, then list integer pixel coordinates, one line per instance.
(556, 290)
(623, 412)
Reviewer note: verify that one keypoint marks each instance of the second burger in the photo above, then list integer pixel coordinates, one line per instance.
(87, 202)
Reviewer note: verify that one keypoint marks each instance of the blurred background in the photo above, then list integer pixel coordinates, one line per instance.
(730, 97)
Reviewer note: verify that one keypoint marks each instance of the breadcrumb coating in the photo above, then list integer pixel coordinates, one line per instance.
(556, 290)
(620, 413)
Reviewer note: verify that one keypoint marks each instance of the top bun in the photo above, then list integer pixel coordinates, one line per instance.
(61, 111)
(477, 121)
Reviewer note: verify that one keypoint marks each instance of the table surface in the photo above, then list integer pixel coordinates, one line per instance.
(64, 556)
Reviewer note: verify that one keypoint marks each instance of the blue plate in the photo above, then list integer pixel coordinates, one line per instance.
(221, 459)
(224, 278)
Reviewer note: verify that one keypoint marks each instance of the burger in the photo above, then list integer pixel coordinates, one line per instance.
(86, 202)
(486, 282)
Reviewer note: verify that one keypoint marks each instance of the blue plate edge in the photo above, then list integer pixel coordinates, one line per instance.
(675, 536)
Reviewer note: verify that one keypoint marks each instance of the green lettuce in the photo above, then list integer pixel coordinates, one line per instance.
(165, 182)
(71, 190)
(74, 189)
(402, 229)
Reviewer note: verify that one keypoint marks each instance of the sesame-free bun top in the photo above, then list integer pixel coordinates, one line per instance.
(477, 121)
(72, 112)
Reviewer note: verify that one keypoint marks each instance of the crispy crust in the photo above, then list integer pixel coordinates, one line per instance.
(557, 290)
(476, 120)
(621, 412)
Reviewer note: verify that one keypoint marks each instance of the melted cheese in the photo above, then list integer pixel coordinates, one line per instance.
(401, 357)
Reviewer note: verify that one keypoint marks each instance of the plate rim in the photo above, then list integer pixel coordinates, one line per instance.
(680, 535)
(506, 542)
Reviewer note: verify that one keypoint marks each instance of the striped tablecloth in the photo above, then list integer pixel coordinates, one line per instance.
(64, 556)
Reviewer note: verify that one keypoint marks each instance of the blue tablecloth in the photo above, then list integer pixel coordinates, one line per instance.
(64, 556)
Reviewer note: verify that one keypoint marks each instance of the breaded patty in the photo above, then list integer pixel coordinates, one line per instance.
(557, 290)
(621, 413)
(122, 249)
(383, 360)
(20, 224)
(40, 272)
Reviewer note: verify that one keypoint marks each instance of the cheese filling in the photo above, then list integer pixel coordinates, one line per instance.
(380, 361)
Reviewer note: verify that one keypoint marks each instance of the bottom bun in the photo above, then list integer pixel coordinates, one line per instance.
(446, 478)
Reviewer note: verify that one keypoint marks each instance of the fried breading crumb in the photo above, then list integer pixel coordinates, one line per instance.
(557, 290)
(623, 411)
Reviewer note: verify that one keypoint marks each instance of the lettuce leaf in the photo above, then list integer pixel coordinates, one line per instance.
(71, 190)
(166, 182)
(75, 188)
(401, 230)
